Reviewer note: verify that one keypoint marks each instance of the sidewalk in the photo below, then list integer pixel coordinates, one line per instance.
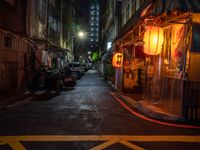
(17, 100)
(135, 100)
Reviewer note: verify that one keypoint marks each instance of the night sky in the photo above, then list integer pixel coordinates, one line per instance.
(84, 6)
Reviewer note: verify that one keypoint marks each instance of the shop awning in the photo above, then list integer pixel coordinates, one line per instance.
(132, 21)
(178, 5)
(53, 47)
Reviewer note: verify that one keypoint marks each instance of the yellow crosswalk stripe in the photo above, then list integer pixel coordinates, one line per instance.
(130, 145)
(104, 145)
(14, 141)
(147, 138)
(17, 146)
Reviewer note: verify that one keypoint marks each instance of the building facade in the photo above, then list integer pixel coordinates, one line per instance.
(94, 24)
(34, 34)
(110, 27)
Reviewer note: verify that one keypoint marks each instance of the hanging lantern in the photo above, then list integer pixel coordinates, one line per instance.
(117, 60)
(153, 40)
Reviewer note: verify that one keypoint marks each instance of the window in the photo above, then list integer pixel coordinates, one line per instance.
(133, 7)
(195, 47)
(7, 41)
(127, 12)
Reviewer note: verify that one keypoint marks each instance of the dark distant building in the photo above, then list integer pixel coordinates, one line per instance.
(94, 24)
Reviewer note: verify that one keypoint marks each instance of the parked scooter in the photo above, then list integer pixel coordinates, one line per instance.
(54, 81)
(68, 79)
(33, 84)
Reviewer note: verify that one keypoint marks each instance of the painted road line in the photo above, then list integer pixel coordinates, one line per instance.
(104, 145)
(109, 140)
(60, 138)
(69, 138)
(17, 146)
(131, 145)
(152, 120)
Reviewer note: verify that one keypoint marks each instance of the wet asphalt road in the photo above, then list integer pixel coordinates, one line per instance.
(88, 110)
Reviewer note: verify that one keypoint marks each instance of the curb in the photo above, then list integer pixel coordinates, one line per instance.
(15, 105)
(150, 110)
(157, 113)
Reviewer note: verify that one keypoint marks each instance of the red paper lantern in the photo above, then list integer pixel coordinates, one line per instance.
(153, 40)
(117, 60)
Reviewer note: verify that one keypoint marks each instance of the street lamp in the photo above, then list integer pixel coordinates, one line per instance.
(80, 45)
(81, 35)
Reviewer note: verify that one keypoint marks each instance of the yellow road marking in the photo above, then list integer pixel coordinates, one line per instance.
(130, 145)
(14, 143)
(145, 138)
(104, 145)
(17, 146)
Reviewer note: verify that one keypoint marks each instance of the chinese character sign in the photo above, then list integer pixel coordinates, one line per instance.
(117, 60)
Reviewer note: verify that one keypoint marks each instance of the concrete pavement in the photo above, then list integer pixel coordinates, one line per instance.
(132, 99)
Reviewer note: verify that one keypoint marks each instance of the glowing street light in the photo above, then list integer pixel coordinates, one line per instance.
(81, 35)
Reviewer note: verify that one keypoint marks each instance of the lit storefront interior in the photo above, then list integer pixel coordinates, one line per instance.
(161, 55)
